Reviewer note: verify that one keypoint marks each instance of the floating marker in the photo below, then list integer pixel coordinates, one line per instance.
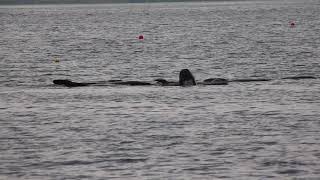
(141, 37)
(56, 61)
(292, 24)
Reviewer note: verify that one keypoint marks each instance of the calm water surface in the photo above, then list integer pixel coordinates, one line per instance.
(253, 130)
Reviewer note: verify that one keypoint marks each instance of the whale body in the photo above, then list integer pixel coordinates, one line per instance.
(300, 77)
(133, 83)
(215, 81)
(249, 80)
(68, 83)
(186, 78)
(163, 82)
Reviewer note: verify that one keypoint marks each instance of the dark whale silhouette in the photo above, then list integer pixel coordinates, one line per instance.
(132, 83)
(249, 80)
(163, 82)
(215, 81)
(68, 83)
(300, 77)
(186, 78)
(263, 79)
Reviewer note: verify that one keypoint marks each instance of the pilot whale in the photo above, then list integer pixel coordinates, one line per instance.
(133, 83)
(163, 82)
(250, 80)
(68, 83)
(186, 78)
(300, 77)
(215, 81)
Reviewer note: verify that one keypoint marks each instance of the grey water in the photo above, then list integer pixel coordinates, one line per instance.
(244, 130)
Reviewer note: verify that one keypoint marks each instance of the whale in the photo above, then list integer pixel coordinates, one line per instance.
(265, 79)
(215, 81)
(133, 83)
(68, 83)
(163, 82)
(186, 78)
(249, 80)
(300, 77)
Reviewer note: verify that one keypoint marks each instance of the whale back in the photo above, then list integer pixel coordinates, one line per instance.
(62, 81)
(161, 81)
(215, 81)
(68, 83)
(186, 78)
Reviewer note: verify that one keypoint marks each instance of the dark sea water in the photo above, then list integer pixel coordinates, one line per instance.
(244, 130)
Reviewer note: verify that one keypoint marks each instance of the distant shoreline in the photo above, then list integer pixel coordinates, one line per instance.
(48, 2)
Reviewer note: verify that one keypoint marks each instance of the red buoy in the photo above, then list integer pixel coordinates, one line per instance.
(141, 37)
(292, 24)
